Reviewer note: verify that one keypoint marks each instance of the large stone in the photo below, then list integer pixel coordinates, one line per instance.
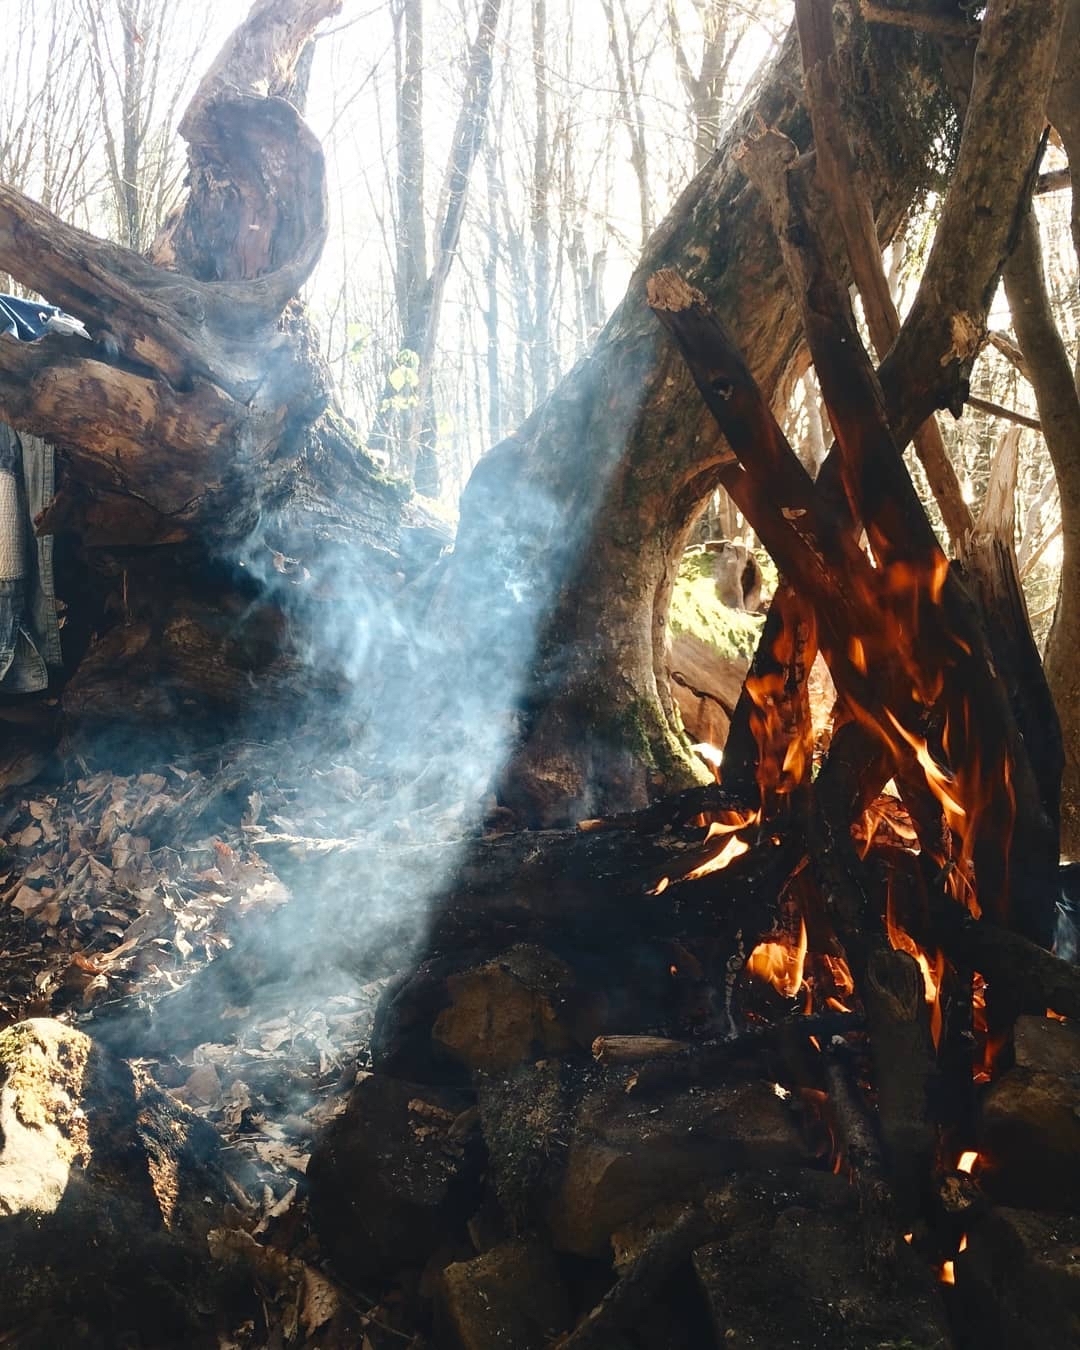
(396, 1177)
(455, 1015)
(1046, 1045)
(108, 1189)
(1018, 1280)
(511, 1298)
(511, 1010)
(626, 1155)
(787, 1272)
(1029, 1126)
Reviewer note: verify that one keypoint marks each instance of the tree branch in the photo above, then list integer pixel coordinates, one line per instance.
(985, 203)
(999, 410)
(842, 181)
(939, 25)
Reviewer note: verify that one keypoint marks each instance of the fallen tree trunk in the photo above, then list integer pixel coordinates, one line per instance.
(205, 477)
(198, 376)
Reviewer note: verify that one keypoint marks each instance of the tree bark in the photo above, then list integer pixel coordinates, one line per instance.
(1056, 393)
(603, 534)
(592, 500)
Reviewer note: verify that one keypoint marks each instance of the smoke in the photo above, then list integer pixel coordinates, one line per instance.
(386, 772)
(1067, 928)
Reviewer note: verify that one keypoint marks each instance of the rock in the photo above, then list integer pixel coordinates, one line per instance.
(395, 1176)
(626, 1156)
(638, 1235)
(1047, 1046)
(787, 1275)
(509, 1011)
(525, 1118)
(456, 1015)
(108, 1190)
(401, 1044)
(705, 685)
(511, 1298)
(1029, 1127)
(1018, 1281)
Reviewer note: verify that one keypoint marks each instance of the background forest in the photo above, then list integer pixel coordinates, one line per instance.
(598, 114)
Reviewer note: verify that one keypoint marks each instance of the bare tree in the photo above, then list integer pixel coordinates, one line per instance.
(51, 130)
(140, 54)
(420, 291)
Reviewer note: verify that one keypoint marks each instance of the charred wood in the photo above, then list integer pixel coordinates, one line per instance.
(1026, 976)
(624, 1302)
(861, 1152)
(889, 983)
(761, 1051)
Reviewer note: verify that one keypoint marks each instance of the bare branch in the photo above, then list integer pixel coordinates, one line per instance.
(939, 25)
(983, 208)
(1006, 414)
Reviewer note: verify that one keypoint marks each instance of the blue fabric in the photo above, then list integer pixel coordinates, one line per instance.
(25, 320)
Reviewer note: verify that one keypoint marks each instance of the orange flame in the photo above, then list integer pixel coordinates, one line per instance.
(842, 978)
(932, 970)
(780, 964)
(991, 1046)
(734, 848)
(940, 782)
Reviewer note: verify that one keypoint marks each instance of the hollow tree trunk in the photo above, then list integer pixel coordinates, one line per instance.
(591, 501)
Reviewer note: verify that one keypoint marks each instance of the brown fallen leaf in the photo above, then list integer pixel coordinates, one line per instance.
(203, 1084)
(28, 900)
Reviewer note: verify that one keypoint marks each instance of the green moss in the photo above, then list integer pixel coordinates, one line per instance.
(641, 728)
(375, 473)
(695, 609)
(629, 727)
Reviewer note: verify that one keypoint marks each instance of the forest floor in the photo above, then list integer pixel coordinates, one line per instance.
(116, 891)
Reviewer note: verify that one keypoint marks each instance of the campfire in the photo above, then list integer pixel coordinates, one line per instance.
(781, 1059)
(811, 996)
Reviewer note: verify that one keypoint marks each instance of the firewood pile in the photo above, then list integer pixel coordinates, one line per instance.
(605, 1110)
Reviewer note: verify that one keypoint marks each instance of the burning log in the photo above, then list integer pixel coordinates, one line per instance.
(907, 648)
(889, 982)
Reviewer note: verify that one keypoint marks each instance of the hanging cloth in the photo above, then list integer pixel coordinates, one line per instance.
(29, 630)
